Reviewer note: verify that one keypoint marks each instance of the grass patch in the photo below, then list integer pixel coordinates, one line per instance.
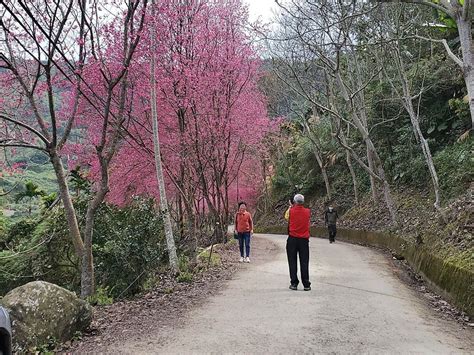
(203, 257)
(185, 276)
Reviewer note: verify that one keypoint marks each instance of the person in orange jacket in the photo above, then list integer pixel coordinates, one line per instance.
(244, 228)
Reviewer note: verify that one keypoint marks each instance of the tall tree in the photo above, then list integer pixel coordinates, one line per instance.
(392, 34)
(462, 13)
(173, 258)
(213, 115)
(43, 48)
(317, 51)
(88, 68)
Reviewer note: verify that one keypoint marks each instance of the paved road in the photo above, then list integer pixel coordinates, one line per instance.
(357, 305)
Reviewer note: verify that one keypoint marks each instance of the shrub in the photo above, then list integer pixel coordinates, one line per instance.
(101, 297)
(3, 231)
(455, 167)
(39, 251)
(185, 276)
(128, 247)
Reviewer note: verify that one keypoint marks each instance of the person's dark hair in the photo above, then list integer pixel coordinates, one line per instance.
(242, 203)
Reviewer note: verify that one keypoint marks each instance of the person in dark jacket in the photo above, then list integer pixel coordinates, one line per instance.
(330, 217)
(297, 243)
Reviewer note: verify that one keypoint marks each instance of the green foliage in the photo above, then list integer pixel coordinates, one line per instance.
(460, 107)
(48, 200)
(77, 336)
(3, 227)
(101, 297)
(78, 181)
(48, 348)
(31, 191)
(455, 166)
(35, 170)
(150, 282)
(14, 271)
(128, 243)
(183, 262)
(204, 257)
(41, 175)
(444, 117)
(17, 233)
(297, 166)
(185, 276)
(39, 250)
(128, 248)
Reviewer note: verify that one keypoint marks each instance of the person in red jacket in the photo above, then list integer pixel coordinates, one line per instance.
(298, 243)
(244, 228)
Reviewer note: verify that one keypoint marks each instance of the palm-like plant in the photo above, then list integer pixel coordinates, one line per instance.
(31, 192)
(79, 181)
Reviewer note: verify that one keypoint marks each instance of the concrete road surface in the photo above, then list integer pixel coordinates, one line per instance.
(357, 306)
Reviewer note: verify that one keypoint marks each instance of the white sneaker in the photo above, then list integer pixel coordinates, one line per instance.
(247, 259)
(241, 260)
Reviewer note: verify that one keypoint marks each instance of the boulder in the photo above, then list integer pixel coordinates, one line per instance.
(41, 311)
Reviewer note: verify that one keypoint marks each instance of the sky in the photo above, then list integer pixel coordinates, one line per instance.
(260, 8)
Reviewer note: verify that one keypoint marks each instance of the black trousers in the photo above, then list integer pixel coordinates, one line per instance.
(295, 246)
(332, 232)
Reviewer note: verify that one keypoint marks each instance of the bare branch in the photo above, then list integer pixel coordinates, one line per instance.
(28, 127)
(437, 6)
(453, 56)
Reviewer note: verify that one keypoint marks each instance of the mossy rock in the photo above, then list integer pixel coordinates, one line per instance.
(41, 311)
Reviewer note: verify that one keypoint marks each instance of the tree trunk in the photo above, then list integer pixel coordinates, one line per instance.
(467, 48)
(319, 159)
(264, 175)
(424, 145)
(87, 266)
(388, 196)
(358, 104)
(323, 171)
(173, 258)
(414, 118)
(87, 269)
(191, 222)
(431, 168)
(373, 159)
(385, 185)
(353, 175)
(179, 205)
(373, 183)
(74, 232)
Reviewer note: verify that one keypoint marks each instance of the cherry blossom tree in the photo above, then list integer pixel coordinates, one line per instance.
(212, 113)
(69, 65)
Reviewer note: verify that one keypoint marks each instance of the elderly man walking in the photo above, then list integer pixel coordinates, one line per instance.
(298, 243)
